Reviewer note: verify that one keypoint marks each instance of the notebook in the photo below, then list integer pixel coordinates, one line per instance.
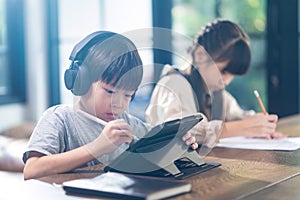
(123, 186)
(163, 153)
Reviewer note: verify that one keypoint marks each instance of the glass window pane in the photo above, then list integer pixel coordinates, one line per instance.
(78, 19)
(3, 50)
(74, 23)
(251, 15)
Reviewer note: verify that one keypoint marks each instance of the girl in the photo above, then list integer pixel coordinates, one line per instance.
(219, 52)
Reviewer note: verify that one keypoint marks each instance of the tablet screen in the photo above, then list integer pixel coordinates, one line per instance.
(162, 134)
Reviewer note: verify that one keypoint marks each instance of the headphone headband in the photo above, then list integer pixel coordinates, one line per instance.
(80, 50)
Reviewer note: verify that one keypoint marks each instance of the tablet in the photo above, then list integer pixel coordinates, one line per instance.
(160, 148)
(162, 134)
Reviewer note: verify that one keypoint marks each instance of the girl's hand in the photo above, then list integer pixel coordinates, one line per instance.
(261, 126)
(278, 135)
(190, 140)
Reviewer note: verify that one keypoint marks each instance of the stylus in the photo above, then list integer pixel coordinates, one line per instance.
(92, 117)
(96, 119)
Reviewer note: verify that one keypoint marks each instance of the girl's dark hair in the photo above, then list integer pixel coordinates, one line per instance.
(122, 63)
(224, 40)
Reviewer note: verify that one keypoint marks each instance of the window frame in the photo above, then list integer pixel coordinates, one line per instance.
(283, 57)
(281, 50)
(15, 49)
(53, 53)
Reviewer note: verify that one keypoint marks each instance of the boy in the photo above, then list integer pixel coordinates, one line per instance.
(105, 72)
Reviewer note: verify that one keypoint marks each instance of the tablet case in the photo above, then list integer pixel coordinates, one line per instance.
(159, 149)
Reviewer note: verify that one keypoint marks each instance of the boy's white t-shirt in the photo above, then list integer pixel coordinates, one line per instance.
(62, 128)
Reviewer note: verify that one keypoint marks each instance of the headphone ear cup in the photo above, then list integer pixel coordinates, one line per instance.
(69, 77)
(82, 82)
(77, 79)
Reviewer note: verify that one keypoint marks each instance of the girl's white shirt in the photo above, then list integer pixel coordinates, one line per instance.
(173, 98)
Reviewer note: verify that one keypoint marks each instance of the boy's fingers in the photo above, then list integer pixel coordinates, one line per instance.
(186, 136)
(190, 141)
(121, 125)
(194, 145)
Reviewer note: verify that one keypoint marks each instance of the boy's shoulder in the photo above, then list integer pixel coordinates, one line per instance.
(61, 110)
(60, 107)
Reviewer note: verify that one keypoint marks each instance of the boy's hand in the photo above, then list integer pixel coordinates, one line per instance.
(114, 134)
(118, 132)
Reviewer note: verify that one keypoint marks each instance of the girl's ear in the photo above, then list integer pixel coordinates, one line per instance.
(200, 55)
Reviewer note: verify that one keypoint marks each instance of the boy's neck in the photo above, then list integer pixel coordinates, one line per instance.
(82, 107)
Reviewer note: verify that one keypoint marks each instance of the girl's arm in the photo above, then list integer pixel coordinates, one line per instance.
(233, 109)
(258, 125)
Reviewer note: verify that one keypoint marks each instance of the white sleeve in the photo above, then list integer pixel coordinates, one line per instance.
(172, 98)
(233, 111)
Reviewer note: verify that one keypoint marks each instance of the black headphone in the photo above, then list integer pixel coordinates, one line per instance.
(77, 77)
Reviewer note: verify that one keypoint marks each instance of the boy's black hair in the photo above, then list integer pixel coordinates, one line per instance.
(119, 57)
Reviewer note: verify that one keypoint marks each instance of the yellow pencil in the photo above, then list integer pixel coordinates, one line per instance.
(260, 102)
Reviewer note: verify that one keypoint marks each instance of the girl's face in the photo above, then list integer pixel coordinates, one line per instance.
(212, 73)
(106, 102)
(225, 76)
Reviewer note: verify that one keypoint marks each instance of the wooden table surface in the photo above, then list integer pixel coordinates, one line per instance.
(244, 174)
(287, 189)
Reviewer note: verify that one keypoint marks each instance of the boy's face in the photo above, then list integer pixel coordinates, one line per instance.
(109, 102)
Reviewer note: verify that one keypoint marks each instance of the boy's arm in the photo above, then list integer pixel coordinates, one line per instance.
(113, 135)
(40, 165)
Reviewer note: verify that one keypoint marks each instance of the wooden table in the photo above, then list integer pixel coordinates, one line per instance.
(244, 174)
(286, 189)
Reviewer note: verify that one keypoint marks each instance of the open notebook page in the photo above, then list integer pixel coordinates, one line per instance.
(286, 144)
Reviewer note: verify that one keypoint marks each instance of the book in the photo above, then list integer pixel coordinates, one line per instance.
(125, 186)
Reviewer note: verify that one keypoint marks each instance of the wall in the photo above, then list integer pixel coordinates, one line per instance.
(14, 114)
(76, 20)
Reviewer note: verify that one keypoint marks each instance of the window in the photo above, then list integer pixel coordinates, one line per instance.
(12, 74)
(3, 50)
(73, 21)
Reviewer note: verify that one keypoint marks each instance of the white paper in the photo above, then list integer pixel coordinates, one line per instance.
(286, 144)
